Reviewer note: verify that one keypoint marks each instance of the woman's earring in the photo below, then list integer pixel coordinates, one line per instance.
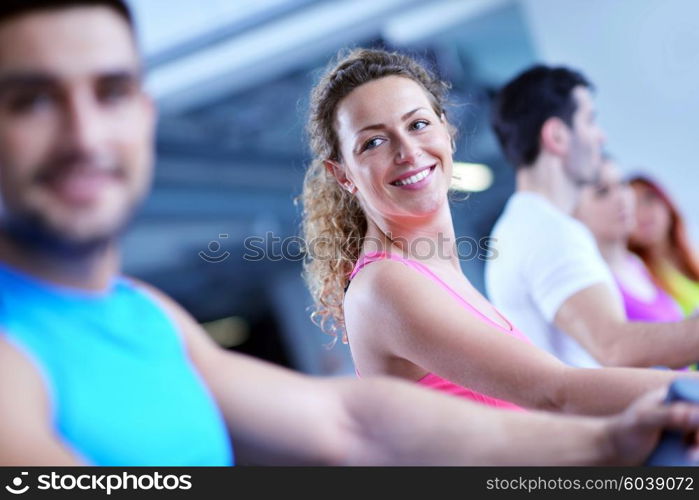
(351, 189)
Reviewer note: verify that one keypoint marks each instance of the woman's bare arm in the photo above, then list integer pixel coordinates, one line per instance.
(397, 311)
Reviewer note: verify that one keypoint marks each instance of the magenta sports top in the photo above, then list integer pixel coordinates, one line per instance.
(430, 379)
(662, 308)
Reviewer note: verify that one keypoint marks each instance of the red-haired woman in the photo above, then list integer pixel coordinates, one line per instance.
(661, 240)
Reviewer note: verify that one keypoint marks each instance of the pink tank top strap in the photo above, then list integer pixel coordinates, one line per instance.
(373, 257)
(426, 271)
(432, 380)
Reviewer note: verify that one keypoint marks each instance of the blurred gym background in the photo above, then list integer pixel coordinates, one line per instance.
(231, 79)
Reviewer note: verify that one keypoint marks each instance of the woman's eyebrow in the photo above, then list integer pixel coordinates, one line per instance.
(381, 125)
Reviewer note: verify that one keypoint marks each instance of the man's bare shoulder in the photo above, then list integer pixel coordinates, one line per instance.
(20, 377)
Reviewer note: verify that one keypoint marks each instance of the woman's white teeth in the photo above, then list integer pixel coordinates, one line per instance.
(413, 178)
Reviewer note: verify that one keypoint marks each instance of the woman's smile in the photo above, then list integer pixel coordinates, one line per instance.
(414, 179)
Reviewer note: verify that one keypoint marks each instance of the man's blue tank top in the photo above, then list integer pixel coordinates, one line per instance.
(123, 391)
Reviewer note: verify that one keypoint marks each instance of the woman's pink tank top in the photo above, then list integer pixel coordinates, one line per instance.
(431, 380)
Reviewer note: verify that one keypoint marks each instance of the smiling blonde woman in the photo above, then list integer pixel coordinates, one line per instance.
(376, 196)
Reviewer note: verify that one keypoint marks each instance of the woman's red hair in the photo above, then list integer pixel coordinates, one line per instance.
(679, 241)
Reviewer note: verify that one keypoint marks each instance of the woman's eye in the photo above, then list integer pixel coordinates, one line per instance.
(419, 124)
(372, 143)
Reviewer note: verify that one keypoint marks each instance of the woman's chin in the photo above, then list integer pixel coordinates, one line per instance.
(426, 209)
(426, 205)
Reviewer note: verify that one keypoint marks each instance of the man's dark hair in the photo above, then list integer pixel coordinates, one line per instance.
(526, 102)
(13, 8)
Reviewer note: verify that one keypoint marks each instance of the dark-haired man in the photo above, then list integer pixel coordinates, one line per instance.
(549, 277)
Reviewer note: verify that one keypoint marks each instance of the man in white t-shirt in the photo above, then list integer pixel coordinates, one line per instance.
(548, 277)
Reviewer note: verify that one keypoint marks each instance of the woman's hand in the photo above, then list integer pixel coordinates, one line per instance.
(634, 433)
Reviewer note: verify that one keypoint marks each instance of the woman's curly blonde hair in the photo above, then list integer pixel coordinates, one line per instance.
(334, 224)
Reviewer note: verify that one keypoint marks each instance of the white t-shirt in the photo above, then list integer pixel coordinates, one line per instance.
(544, 256)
